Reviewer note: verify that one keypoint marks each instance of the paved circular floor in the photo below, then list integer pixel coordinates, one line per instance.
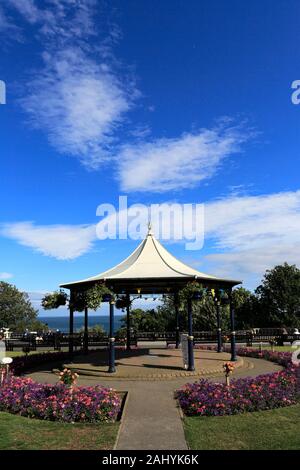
(151, 363)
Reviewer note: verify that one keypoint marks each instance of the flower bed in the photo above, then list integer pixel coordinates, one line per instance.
(59, 402)
(282, 358)
(268, 391)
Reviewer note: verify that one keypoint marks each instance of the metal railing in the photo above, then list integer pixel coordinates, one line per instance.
(58, 341)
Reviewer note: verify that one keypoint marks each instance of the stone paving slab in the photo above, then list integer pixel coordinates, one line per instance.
(148, 364)
(151, 420)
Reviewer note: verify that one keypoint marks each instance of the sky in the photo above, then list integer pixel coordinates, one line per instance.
(173, 101)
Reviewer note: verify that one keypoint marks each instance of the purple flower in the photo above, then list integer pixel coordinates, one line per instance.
(268, 391)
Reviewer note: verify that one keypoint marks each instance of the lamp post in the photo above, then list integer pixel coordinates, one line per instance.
(86, 332)
(176, 303)
(191, 362)
(128, 347)
(112, 367)
(219, 330)
(232, 326)
(71, 325)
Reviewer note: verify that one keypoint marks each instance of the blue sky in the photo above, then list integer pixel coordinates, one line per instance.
(160, 101)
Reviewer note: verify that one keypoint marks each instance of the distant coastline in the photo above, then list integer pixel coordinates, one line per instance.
(61, 322)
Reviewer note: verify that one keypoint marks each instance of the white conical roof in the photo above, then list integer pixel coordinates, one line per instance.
(149, 260)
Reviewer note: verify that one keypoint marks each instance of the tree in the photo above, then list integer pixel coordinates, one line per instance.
(279, 296)
(16, 311)
(204, 310)
(246, 307)
(205, 314)
(146, 320)
(95, 329)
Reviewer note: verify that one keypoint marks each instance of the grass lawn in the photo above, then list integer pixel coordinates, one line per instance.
(275, 429)
(19, 433)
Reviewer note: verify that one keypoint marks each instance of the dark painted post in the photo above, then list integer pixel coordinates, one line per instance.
(71, 326)
(86, 332)
(176, 304)
(112, 367)
(191, 365)
(232, 326)
(219, 329)
(128, 339)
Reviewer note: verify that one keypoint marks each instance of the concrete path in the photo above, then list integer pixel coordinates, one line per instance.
(151, 419)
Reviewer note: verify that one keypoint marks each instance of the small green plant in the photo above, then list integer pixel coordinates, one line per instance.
(54, 300)
(228, 368)
(68, 377)
(123, 302)
(90, 298)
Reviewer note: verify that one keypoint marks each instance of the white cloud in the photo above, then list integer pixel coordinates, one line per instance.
(78, 103)
(251, 221)
(245, 235)
(8, 28)
(28, 9)
(4, 23)
(77, 98)
(4, 275)
(36, 297)
(64, 19)
(250, 234)
(80, 99)
(168, 164)
(63, 242)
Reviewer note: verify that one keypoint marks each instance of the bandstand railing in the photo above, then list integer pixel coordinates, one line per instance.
(59, 341)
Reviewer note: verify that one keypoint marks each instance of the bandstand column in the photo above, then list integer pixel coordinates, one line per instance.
(112, 367)
(71, 326)
(176, 304)
(128, 323)
(191, 365)
(86, 332)
(232, 327)
(219, 329)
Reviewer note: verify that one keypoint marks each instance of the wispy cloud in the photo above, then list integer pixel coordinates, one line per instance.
(36, 297)
(81, 96)
(4, 275)
(28, 9)
(55, 15)
(244, 234)
(79, 103)
(178, 163)
(250, 234)
(62, 242)
(8, 27)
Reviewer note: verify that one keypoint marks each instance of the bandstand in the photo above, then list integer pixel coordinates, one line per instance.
(151, 269)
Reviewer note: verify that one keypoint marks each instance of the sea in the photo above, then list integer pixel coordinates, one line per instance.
(61, 323)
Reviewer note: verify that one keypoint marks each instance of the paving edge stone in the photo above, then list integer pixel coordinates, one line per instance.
(173, 375)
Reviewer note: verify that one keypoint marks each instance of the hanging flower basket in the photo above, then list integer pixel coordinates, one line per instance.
(54, 300)
(123, 302)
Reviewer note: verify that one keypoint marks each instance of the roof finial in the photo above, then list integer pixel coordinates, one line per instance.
(150, 232)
